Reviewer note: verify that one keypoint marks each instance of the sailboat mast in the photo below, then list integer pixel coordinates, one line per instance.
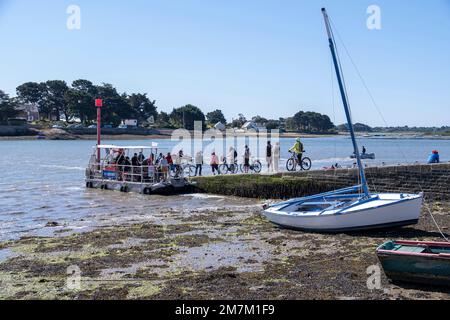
(345, 102)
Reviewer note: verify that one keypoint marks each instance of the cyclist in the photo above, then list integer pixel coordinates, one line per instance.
(298, 150)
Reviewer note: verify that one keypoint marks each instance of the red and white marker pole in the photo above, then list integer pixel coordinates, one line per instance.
(99, 105)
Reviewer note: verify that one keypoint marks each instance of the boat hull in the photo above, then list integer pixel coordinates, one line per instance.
(402, 213)
(174, 186)
(419, 268)
(365, 156)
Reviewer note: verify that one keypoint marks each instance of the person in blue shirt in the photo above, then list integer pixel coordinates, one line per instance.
(434, 157)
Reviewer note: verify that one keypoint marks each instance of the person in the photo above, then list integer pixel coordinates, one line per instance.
(434, 157)
(214, 163)
(169, 160)
(160, 156)
(164, 164)
(232, 155)
(364, 150)
(298, 150)
(135, 160)
(141, 157)
(269, 156)
(120, 159)
(198, 163)
(246, 159)
(127, 168)
(135, 167)
(276, 156)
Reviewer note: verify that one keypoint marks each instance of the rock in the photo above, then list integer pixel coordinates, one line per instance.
(51, 224)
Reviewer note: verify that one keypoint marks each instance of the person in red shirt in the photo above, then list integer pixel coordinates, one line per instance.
(169, 160)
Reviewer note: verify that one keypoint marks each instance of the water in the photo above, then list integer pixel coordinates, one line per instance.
(43, 181)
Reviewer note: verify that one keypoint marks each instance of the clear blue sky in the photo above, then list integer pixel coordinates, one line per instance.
(256, 57)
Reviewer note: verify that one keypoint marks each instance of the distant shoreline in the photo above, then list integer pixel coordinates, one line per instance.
(52, 134)
(141, 137)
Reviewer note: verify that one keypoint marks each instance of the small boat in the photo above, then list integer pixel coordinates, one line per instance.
(364, 156)
(352, 208)
(416, 261)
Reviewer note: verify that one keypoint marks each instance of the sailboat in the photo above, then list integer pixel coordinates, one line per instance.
(352, 208)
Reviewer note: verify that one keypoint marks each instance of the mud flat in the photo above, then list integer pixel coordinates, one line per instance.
(207, 254)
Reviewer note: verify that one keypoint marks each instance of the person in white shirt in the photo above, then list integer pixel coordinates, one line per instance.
(276, 156)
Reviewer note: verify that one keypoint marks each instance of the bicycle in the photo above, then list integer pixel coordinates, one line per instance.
(292, 162)
(184, 170)
(225, 168)
(255, 166)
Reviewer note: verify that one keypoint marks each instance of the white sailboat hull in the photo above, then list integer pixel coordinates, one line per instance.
(389, 211)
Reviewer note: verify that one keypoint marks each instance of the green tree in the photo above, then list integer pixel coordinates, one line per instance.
(53, 98)
(357, 127)
(115, 106)
(184, 117)
(272, 124)
(80, 100)
(291, 125)
(163, 120)
(309, 122)
(30, 92)
(7, 107)
(259, 119)
(214, 117)
(33, 93)
(143, 107)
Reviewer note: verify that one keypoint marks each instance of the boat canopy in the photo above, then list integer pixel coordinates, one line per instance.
(111, 146)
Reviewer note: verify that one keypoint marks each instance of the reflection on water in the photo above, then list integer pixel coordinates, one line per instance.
(43, 181)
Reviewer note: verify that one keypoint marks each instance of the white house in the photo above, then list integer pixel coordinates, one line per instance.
(130, 122)
(29, 112)
(219, 126)
(250, 125)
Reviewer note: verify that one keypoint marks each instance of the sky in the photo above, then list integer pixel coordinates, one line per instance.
(256, 57)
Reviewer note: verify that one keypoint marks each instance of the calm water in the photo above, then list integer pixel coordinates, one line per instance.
(43, 181)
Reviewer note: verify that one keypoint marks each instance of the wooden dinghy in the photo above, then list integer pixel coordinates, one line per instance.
(416, 261)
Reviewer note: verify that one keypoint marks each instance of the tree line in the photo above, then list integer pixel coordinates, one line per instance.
(56, 100)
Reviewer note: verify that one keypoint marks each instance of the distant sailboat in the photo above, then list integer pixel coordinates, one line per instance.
(353, 208)
(370, 156)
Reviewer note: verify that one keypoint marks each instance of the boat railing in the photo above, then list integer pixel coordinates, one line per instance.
(140, 174)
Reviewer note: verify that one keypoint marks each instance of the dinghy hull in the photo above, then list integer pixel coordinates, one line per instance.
(417, 262)
(402, 212)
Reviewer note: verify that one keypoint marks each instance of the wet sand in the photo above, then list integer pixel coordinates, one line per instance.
(207, 253)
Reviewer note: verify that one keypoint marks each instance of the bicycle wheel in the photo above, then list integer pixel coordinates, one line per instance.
(257, 166)
(291, 164)
(306, 163)
(234, 168)
(241, 168)
(223, 169)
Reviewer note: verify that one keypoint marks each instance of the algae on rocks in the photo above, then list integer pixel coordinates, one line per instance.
(261, 186)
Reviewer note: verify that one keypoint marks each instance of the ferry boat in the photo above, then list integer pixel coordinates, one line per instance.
(111, 168)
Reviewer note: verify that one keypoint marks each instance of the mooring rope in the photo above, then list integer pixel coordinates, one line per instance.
(435, 222)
